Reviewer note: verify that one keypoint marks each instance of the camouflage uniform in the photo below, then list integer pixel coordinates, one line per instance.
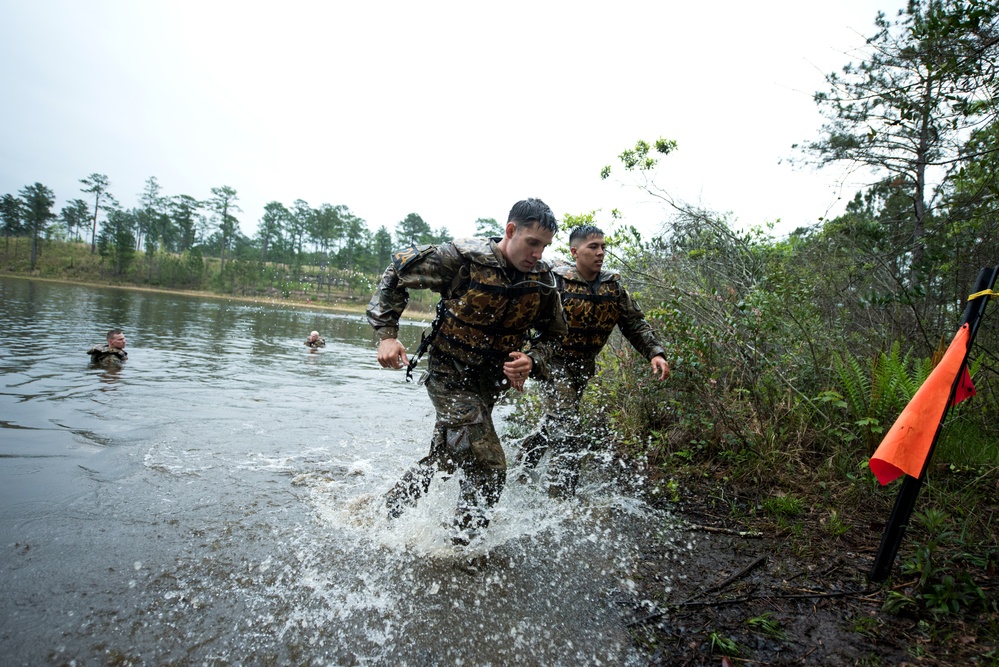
(319, 342)
(105, 353)
(487, 308)
(592, 310)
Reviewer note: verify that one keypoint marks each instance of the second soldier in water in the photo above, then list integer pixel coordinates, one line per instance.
(111, 352)
(315, 340)
(594, 302)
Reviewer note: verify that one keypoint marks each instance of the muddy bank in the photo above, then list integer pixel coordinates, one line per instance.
(765, 595)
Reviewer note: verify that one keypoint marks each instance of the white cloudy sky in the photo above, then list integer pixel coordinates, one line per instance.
(452, 110)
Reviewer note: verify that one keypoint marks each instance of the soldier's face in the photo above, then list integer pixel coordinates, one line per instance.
(525, 245)
(589, 256)
(117, 341)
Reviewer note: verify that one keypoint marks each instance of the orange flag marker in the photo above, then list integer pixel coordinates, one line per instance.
(907, 444)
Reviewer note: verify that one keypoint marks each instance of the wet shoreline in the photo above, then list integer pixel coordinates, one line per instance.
(358, 307)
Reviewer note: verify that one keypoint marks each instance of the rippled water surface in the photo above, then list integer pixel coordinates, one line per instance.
(216, 501)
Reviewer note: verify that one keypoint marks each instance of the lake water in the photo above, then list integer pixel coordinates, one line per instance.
(216, 500)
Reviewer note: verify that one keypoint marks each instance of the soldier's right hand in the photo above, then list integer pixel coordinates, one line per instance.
(392, 353)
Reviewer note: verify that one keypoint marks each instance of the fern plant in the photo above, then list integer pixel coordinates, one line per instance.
(876, 392)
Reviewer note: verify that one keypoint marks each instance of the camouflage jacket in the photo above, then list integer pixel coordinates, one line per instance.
(593, 310)
(106, 352)
(487, 307)
(319, 342)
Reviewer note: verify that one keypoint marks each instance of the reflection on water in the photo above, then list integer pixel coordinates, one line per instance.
(216, 500)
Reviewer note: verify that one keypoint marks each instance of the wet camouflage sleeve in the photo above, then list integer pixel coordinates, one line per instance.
(427, 267)
(550, 327)
(636, 329)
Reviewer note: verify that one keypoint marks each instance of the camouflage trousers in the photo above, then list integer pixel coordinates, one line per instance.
(464, 439)
(559, 429)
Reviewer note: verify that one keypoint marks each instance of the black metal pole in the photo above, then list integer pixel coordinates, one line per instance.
(898, 522)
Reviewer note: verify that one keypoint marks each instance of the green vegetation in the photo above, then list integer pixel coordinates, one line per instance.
(768, 626)
(724, 646)
(791, 356)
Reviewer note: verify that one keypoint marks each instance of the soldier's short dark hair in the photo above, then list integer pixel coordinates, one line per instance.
(528, 211)
(584, 232)
(113, 333)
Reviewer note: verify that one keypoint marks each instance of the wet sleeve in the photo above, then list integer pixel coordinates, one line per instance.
(550, 327)
(636, 328)
(428, 267)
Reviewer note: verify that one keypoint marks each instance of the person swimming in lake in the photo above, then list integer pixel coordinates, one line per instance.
(315, 340)
(112, 351)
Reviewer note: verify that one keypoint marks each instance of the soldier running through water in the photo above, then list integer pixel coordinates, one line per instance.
(492, 291)
(594, 302)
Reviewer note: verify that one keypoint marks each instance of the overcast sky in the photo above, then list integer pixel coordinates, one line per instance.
(452, 110)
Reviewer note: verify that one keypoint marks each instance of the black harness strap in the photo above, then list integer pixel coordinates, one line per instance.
(425, 340)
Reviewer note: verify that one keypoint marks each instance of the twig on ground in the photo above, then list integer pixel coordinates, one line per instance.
(711, 589)
(728, 581)
(797, 596)
(724, 531)
(805, 595)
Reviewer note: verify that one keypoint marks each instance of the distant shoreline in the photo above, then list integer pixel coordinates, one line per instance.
(352, 309)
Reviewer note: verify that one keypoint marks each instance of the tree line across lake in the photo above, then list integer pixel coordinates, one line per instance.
(182, 242)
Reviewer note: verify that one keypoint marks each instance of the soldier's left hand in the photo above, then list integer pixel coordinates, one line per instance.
(517, 369)
(660, 366)
(392, 354)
